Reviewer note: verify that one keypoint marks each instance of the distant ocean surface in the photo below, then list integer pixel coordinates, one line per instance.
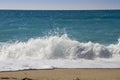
(45, 39)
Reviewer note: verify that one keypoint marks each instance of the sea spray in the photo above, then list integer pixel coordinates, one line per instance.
(57, 47)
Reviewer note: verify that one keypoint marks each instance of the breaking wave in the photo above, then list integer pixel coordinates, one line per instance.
(57, 47)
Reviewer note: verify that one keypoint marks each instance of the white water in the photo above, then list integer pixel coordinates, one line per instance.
(58, 52)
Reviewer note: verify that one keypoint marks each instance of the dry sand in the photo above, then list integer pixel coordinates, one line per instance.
(63, 74)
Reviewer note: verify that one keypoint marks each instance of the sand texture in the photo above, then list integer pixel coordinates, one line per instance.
(63, 74)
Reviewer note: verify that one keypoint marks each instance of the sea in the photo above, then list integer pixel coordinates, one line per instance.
(51, 39)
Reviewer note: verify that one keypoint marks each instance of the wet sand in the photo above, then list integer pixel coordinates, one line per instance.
(62, 74)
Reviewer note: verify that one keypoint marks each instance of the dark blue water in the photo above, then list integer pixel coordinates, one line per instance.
(97, 26)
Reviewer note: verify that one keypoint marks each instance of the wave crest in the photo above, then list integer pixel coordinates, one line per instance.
(57, 47)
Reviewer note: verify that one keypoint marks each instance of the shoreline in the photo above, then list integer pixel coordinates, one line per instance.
(63, 74)
(63, 69)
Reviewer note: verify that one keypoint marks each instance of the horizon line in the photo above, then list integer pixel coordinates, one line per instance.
(58, 9)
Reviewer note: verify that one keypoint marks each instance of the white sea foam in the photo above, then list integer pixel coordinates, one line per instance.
(47, 52)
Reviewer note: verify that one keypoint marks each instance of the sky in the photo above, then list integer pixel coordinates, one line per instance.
(59, 4)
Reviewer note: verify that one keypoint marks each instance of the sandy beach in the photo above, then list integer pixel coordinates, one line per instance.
(62, 74)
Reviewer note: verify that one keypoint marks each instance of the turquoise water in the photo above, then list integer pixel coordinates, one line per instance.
(59, 39)
(96, 26)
